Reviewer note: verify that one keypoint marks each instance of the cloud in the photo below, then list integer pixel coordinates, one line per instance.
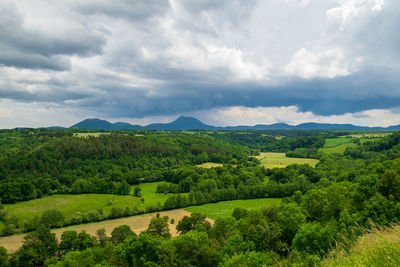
(326, 63)
(148, 59)
(132, 10)
(25, 46)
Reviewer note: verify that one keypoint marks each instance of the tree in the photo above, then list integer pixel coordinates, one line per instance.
(290, 217)
(101, 237)
(314, 238)
(159, 226)
(143, 250)
(249, 258)
(189, 223)
(120, 233)
(123, 188)
(37, 247)
(84, 240)
(3, 257)
(193, 249)
(52, 218)
(389, 184)
(239, 213)
(137, 191)
(69, 241)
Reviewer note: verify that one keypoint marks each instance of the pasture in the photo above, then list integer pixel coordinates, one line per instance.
(332, 142)
(336, 149)
(225, 208)
(208, 165)
(86, 135)
(137, 223)
(368, 135)
(76, 205)
(279, 160)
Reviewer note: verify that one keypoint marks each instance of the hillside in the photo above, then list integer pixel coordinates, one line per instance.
(377, 248)
(189, 123)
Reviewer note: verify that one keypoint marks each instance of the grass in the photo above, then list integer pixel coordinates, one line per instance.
(368, 135)
(279, 160)
(88, 134)
(337, 149)
(208, 165)
(137, 223)
(378, 248)
(332, 142)
(75, 205)
(225, 208)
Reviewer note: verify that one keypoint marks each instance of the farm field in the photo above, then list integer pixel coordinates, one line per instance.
(88, 134)
(368, 135)
(208, 165)
(225, 208)
(279, 160)
(336, 149)
(137, 223)
(332, 142)
(75, 205)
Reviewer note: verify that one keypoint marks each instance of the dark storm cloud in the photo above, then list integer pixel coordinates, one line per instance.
(18, 59)
(131, 10)
(322, 97)
(24, 47)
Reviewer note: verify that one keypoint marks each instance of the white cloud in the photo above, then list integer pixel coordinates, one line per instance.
(325, 63)
(239, 115)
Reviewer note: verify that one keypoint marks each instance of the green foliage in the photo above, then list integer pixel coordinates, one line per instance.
(120, 233)
(3, 257)
(52, 218)
(37, 247)
(68, 241)
(314, 238)
(189, 223)
(137, 191)
(251, 258)
(290, 218)
(159, 226)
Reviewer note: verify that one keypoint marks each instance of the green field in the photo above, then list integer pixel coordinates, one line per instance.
(337, 149)
(88, 134)
(225, 208)
(75, 205)
(332, 142)
(368, 135)
(210, 165)
(279, 160)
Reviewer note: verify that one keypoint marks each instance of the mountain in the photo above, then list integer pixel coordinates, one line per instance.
(189, 123)
(182, 123)
(93, 124)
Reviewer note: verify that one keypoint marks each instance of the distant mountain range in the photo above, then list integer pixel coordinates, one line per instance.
(189, 123)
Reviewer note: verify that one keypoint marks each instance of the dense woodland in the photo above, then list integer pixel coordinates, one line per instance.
(330, 204)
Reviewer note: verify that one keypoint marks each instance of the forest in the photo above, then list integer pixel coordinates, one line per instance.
(321, 208)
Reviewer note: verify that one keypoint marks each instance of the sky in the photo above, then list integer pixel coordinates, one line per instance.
(225, 62)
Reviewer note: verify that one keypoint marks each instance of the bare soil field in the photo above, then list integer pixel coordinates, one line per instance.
(137, 223)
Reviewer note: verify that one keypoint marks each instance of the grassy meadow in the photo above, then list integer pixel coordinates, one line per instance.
(339, 145)
(75, 205)
(225, 208)
(208, 165)
(279, 160)
(378, 248)
(337, 149)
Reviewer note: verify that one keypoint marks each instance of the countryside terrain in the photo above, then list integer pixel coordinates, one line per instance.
(200, 198)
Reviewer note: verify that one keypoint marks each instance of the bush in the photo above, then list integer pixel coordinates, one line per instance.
(52, 218)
